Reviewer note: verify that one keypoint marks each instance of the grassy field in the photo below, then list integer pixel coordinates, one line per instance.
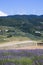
(4, 39)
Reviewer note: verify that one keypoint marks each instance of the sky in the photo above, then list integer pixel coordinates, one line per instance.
(14, 7)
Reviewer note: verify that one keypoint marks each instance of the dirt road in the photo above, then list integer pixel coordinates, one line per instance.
(20, 45)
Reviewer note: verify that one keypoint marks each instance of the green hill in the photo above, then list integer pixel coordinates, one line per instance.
(23, 22)
(22, 25)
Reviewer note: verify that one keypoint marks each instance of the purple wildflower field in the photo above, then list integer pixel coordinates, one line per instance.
(21, 57)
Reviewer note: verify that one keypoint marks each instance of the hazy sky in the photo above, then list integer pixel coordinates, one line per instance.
(12, 7)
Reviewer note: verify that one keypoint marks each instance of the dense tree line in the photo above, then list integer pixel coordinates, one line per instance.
(26, 23)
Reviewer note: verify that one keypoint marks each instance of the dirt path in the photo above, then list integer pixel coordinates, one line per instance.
(20, 45)
(15, 42)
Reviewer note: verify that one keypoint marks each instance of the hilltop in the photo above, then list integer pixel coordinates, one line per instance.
(23, 22)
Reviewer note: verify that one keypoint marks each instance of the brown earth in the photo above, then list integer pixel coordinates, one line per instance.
(17, 45)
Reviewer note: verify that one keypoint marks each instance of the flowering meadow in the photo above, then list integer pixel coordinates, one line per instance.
(21, 57)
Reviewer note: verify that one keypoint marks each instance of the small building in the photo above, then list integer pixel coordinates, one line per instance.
(37, 33)
(6, 30)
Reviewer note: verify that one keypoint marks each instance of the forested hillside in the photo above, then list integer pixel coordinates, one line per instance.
(25, 23)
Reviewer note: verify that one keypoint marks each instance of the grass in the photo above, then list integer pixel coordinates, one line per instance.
(19, 38)
(4, 39)
(21, 61)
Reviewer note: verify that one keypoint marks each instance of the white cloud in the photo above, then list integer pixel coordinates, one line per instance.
(3, 14)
